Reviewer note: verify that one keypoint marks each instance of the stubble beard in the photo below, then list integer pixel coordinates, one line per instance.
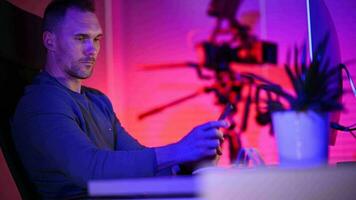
(78, 72)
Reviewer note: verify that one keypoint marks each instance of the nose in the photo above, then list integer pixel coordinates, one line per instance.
(92, 48)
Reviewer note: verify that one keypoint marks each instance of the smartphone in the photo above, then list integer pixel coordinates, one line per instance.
(227, 111)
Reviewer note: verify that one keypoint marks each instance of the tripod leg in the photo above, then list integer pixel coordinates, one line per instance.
(234, 142)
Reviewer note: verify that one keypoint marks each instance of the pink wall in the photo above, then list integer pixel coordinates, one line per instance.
(156, 31)
(164, 31)
(345, 22)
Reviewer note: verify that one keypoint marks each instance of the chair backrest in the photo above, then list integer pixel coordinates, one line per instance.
(21, 56)
(25, 187)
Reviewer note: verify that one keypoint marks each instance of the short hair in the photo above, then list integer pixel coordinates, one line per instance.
(56, 11)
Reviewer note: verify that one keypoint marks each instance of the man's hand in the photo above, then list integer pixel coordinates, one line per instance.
(200, 144)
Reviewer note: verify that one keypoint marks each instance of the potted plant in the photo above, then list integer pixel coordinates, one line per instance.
(300, 119)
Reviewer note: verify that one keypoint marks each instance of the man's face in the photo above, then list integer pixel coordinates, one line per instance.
(77, 43)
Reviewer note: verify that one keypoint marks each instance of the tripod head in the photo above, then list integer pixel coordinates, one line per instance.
(229, 42)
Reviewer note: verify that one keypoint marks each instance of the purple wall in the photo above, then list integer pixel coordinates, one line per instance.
(162, 31)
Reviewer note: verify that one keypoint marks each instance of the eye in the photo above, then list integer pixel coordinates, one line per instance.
(97, 39)
(80, 38)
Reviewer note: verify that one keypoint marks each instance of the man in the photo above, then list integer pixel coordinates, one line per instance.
(67, 134)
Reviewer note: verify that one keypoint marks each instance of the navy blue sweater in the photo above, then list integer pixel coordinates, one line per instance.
(65, 139)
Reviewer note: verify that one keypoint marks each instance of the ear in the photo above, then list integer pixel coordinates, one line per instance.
(49, 40)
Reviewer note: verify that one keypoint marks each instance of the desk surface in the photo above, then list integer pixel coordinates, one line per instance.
(220, 184)
(146, 188)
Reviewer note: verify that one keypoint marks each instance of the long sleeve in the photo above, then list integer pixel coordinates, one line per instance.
(66, 148)
(57, 152)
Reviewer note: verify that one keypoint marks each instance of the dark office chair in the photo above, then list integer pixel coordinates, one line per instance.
(21, 56)
(13, 79)
(25, 187)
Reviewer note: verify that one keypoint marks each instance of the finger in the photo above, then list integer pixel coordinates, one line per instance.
(211, 152)
(213, 144)
(219, 151)
(222, 141)
(220, 135)
(214, 134)
(214, 124)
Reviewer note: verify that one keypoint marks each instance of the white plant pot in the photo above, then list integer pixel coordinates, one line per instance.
(302, 138)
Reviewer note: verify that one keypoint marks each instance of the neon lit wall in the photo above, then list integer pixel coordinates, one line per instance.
(155, 31)
(165, 31)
